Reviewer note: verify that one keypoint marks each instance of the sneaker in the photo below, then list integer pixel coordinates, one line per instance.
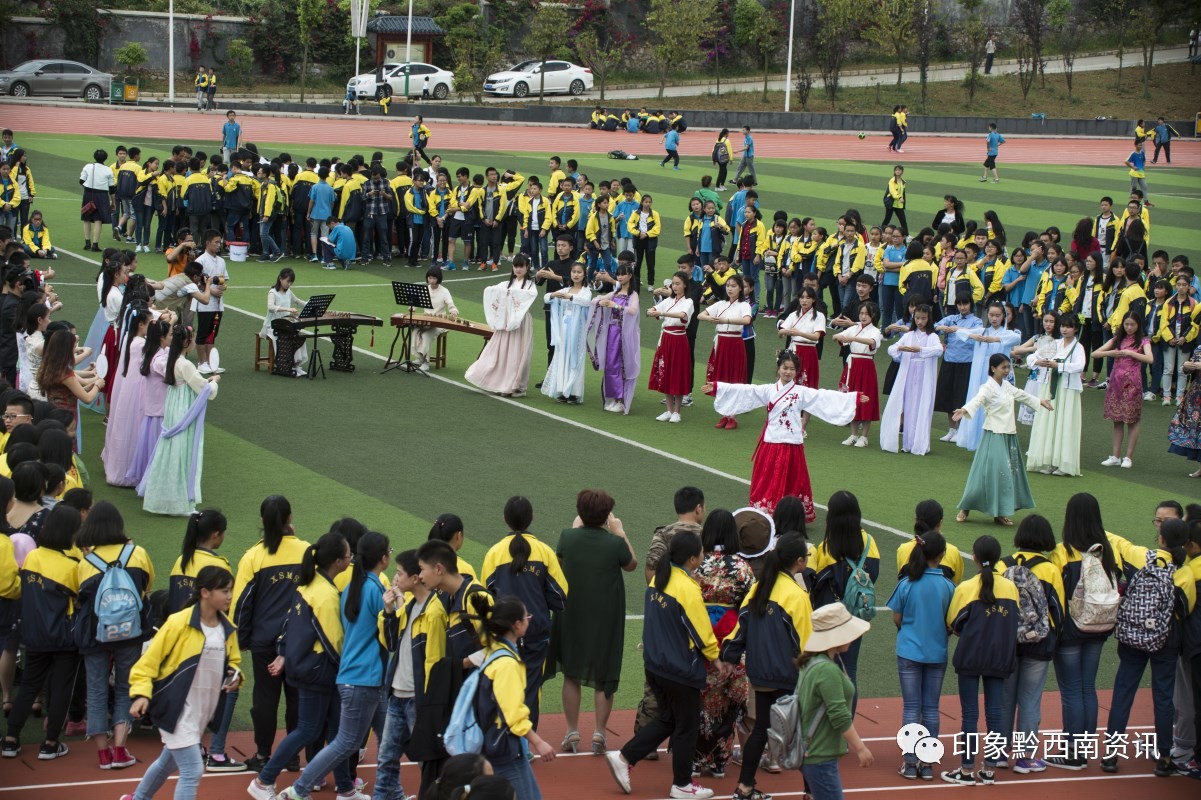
(424, 367)
(1109, 764)
(908, 772)
(1046, 470)
(960, 777)
(1112, 461)
(1164, 768)
(313, 259)
(353, 794)
(954, 435)
(769, 764)
(1167, 401)
(10, 749)
(291, 793)
(693, 790)
(105, 757)
(276, 257)
(1024, 766)
(674, 418)
(983, 180)
(1148, 397)
(664, 417)
(204, 369)
(263, 259)
(850, 440)
(325, 266)
(987, 777)
(925, 772)
(948, 437)
(687, 401)
(49, 752)
(223, 763)
(1101, 384)
(122, 758)
(861, 441)
(1127, 463)
(260, 792)
(1186, 767)
(256, 762)
(620, 769)
(754, 794)
(1002, 763)
(1060, 762)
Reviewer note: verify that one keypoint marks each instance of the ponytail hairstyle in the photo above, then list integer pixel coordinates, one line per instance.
(108, 277)
(519, 513)
(181, 337)
(927, 546)
(140, 316)
(987, 551)
(201, 526)
(498, 616)
(485, 787)
(211, 578)
(276, 513)
(457, 772)
(789, 548)
(155, 332)
(683, 546)
(445, 528)
(373, 548)
(321, 556)
(1175, 535)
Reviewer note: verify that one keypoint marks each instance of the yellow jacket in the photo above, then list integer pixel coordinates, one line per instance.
(896, 190)
(1132, 293)
(544, 214)
(824, 252)
(36, 240)
(758, 237)
(954, 277)
(917, 265)
(565, 210)
(858, 256)
(592, 229)
(653, 227)
(1168, 316)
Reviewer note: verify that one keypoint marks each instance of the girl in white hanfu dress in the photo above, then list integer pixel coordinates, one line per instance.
(913, 392)
(569, 309)
(1055, 437)
(778, 465)
(504, 364)
(1040, 347)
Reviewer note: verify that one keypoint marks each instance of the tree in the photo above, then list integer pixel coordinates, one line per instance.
(1147, 22)
(677, 28)
(924, 29)
(1029, 18)
(546, 38)
(837, 23)
(239, 61)
(1027, 63)
(1116, 14)
(132, 56)
(603, 58)
(310, 14)
(973, 37)
(757, 30)
(1069, 28)
(717, 49)
(888, 25)
(474, 46)
(81, 25)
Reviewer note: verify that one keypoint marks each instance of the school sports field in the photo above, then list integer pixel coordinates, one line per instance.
(396, 450)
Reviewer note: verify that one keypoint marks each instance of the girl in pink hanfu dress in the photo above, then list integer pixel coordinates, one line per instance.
(778, 465)
(504, 364)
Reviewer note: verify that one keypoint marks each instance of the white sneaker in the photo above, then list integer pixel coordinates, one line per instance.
(1112, 461)
(1127, 463)
(1148, 396)
(954, 435)
(300, 373)
(850, 440)
(353, 794)
(424, 367)
(664, 417)
(260, 792)
(687, 401)
(693, 790)
(619, 768)
(949, 437)
(1167, 401)
(1046, 471)
(218, 370)
(205, 369)
(861, 441)
(674, 418)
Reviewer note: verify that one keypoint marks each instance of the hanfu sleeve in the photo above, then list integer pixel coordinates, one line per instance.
(1024, 397)
(932, 349)
(1074, 363)
(186, 372)
(1009, 338)
(836, 408)
(732, 399)
(972, 406)
(582, 297)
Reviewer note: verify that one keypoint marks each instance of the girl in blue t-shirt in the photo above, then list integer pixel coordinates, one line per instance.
(919, 608)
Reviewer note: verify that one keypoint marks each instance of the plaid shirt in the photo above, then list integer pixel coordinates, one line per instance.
(378, 193)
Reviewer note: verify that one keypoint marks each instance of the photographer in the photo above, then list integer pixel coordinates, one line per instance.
(17, 281)
(182, 253)
(178, 291)
(208, 314)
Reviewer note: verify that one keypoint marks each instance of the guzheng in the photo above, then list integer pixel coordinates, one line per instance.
(291, 332)
(405, 324)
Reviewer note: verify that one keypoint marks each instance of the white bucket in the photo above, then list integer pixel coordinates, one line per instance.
(238, 251)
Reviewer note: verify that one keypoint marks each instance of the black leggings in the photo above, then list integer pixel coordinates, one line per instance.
(722, 169)
(756, 743)
(264, 706)
(749, 344)
(644, 250)
(672, 156)
(509, 224)
(889, 212)
(56, 672)
(678, 717)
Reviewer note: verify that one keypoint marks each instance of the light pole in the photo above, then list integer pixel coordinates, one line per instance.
(408, 50)
(171, 51)
(788, 67)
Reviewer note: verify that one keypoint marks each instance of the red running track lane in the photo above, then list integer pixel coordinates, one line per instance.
(585, 777)
(392, 133)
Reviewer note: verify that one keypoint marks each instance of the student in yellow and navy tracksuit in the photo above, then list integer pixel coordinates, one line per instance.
(644, 227)
(984, 614)
(182, 680)
(1023, 690)
(266, 580)
(677, 640)
(927, 517)
(416, 636)
(773, 624)
(1145, 569)
(310, 647)
(49, 583)
(536, 214)
(521, 565)
(201, 83)
(846, 544)
(449, 528)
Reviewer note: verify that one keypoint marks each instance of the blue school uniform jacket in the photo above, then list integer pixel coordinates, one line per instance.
(772, 642)
(988, 632)
(677, 634)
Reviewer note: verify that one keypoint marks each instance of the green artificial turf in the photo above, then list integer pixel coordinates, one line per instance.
(396, 450)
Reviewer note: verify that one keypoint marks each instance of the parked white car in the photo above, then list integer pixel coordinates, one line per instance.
(388, 80)
(525, 79)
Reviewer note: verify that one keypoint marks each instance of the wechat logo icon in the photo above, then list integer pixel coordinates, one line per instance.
(915, 740)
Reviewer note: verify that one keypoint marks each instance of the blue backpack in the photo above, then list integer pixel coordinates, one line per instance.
(118, 604)
(463, 733)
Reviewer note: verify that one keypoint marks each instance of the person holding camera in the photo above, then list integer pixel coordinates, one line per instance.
(208, 314)
(16, 281)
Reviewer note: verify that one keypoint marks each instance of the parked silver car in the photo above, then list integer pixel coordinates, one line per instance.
(56, 78)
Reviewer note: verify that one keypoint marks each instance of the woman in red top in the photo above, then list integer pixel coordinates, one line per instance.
(1083, 241)
(57, 378)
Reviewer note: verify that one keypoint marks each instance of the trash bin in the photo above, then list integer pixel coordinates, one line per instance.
(1197, 126)
(131, 90)
(116, 91)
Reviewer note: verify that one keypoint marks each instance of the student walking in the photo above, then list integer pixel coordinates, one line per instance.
(1164, 134)
(671, 143)
(992, 147)
(747, 162)
(894, 204)
(1137, 164)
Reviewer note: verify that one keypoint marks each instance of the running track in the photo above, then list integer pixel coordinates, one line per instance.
(392, 133)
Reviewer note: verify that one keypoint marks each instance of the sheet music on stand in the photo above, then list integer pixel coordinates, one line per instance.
(413, 295)
(315, 309)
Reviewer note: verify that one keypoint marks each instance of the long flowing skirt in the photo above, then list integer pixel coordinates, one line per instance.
(860, 376)
(1055, 436)
(121, 436)
(727, 361)
(996, 483)
(671, 372)
(778, 470)
(810, 373)
(148, 432)
(1184, 431)
(504, 365)
(565, 374)
(109, 347)
(723, 707)
(168, 486)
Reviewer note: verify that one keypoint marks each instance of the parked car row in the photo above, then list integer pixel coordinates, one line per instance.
(521, 80)
(56, 78)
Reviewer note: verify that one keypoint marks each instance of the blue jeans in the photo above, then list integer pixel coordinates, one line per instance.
(358, 711)
(773, 291)
(97, 666)
(217, 743)
(749, 268)
(520, 777)
(1076, 672)
(850, 663)
(165, 235)
(847, 293)
(1131, 665)
(232, 220)
(319, 712)
(535, 248)
(142, 216)
(969, 704)
(190, 765)
(921, 685)
(823, 780)
(270, 248)
(1023, 693)
(402, 715)
(890, 305)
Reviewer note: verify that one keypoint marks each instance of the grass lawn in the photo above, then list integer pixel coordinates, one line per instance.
(396, 450)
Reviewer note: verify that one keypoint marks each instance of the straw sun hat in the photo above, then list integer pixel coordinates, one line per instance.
(833, 626)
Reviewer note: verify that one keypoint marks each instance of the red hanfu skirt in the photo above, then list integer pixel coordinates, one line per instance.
(671, 372)
(810, 372)
(727, 362)
(778, 470)
(860, 376)
(109, 349)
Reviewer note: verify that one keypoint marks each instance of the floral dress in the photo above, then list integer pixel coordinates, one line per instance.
(725, 581)
(1184, 431)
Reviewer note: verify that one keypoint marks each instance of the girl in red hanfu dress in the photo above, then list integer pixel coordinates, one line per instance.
(671, 371)
(778, 465)
(727, 362)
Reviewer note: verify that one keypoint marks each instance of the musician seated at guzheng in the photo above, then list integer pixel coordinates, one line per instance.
(444, 306)
(282, 303)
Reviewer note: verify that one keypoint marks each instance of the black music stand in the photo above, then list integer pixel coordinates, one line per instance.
(413, 295)
(315, 309)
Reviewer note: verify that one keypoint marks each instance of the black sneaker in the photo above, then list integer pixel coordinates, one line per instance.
(49, 752)
(223, 764)
(1109, 764)
(1164, 767)
(1060, 762)
(293, 765)
(256, 762)
(959, 776)
(987, 777)
(10, 749)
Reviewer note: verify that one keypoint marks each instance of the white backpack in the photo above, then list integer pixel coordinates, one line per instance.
(1095, 601)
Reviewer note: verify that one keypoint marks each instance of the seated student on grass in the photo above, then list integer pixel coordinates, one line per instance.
(36, 238)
